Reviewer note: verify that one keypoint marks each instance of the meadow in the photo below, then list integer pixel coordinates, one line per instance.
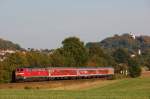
(130, 88)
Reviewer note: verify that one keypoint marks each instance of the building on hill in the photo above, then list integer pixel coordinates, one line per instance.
(139, 52)
(3, 53)
(132, 35)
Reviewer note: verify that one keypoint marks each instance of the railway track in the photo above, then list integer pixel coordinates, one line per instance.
(57, 84)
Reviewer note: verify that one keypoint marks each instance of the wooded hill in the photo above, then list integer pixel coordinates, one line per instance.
(74, 53)
(5, 44)
(124, 41)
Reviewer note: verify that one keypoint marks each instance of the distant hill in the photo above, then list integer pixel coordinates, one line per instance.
(124, 41)
(5, 44)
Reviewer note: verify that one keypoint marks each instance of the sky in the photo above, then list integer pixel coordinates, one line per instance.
(46, 23)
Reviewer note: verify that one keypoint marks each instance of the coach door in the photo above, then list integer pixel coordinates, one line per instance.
(49, 72)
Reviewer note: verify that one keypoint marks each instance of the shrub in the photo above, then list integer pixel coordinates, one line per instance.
(27, 87)
(37, 87)
(134, 68)
(119, 76)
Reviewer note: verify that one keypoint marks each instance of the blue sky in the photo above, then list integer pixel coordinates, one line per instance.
(45, 23)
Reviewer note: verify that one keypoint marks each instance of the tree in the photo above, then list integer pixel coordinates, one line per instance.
(146, 58)
(134, 68)
(96, 50)
(1, 72)
(75, 51)
(57, 59)
(97, 61)
(17, 58)
(12, 62)
(121, 56)
(97, 57)
(37, 59)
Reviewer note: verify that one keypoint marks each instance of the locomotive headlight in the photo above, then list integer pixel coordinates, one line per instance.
(19, 74)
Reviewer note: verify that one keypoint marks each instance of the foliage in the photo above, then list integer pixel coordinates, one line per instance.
(57, 59)
(121, 68)
(121, 55)
(97, 57)
(27, 88)
(1, 72)
(96, 50)
(75, 51)
(37, 59)
(15, 60)
(146, 58)
(134, 68)
(124, 41)
(97, 61)
(114, 51)
(11, 63)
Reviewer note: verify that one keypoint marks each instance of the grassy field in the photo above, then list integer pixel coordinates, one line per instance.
(138, 88)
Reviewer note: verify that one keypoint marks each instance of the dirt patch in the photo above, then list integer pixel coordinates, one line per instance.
(59, 85)
(85, 85)
(145, 74)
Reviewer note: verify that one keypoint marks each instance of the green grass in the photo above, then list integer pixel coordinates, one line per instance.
(138, 88)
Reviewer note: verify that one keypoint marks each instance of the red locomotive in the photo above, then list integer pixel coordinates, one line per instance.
(30, 74)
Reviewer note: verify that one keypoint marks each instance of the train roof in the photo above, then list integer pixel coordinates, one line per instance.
(65, 67)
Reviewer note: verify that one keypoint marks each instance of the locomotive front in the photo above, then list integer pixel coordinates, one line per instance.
(19, 74)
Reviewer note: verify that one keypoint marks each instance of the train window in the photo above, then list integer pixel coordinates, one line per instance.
(18, 69)
(29, 70)
(21, 69)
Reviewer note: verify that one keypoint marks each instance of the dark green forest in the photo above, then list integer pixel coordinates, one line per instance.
(114, 51)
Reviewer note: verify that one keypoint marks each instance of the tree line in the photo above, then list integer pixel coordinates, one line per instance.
(74, 53)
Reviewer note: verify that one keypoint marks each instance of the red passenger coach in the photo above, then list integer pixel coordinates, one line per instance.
(63, 72)
(32, 74)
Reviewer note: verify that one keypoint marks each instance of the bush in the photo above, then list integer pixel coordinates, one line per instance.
(119, 76)
(134, 68)
(27, 87)
(37, 87)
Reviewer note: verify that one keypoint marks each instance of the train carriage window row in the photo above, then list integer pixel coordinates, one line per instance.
(52, 73)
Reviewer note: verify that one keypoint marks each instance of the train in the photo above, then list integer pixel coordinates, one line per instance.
(53, 73)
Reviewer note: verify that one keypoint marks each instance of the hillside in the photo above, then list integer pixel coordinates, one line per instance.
(124, 41)
(5, 44)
